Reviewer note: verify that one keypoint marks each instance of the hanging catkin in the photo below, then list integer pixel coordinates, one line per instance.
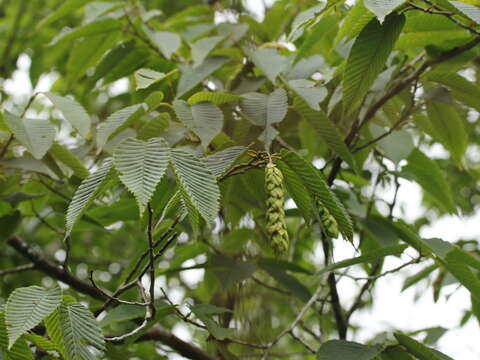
(328, 222)
(276, 226)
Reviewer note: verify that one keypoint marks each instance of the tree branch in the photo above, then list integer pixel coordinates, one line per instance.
(154, 334)
(401, 85)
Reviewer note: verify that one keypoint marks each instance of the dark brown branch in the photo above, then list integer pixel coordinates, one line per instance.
(154, 334)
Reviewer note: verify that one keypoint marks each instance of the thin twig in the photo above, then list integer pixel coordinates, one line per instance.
(112, 298)
(305, 345)
(392, 271)
(17, 269)
(298, 318)
(151, 253)
(143, 325)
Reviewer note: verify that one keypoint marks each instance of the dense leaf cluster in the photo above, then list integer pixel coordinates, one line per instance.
(184, 163)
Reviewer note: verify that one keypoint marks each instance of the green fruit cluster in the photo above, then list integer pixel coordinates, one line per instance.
(276, 226)
(328, 222)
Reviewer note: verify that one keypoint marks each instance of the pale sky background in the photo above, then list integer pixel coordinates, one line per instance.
(407, 311)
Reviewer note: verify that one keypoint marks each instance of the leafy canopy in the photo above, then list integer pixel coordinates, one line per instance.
(133, 196)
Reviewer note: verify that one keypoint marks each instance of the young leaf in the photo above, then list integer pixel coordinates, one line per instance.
(85, 194)
(217, 98)
(142, 165)
(117, 122)
(327, 131)
(73, 112)
(80, 332)
(36, 135)
(316, 185)
(27, 306)
(347, 350)
(367, 58)
(221, 161)
(266, 110)
(198, 183)
(204, 119)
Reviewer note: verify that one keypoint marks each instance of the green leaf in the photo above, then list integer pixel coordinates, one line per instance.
(36, 135)
(230, 271)
(381, 8)
(316, 185)
(41, 342)
(204, 119)
(309, 92)
(63, 10)
(327, 131)
(357, 18)
(221, 161)
(85, 194)
(204, 312)
(265, 110)
(470, 11)
(198, 183)
(218, 98)
(297, 190)
(27, 307)
(201, 48)
(456, 262)
(86, 53)
(461, 88)
(54, 330)
(146, 77)
(9, 224)
(117, 122)
(154, 127)
(65, 156)
(368, 256)
(80, 332)
(288, 282)
(367, 58)
(412, 280)
(430, 177)
(448, 128)
(142, 165)
(419, 350)
(72, 111)
(123, 312)
(192, 76)
(431, 29)
(165, 41)
(347, 350)
(19, 351)
(304, 19)
(270, 62)
(101, 26)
